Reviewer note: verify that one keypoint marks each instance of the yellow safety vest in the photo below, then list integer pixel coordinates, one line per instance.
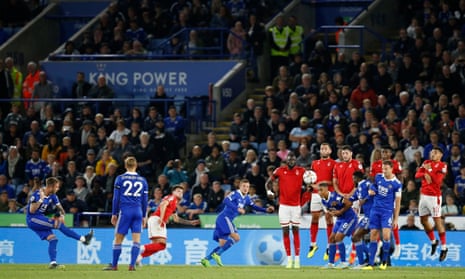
(17, 78)
(280, 39)
(296, 38)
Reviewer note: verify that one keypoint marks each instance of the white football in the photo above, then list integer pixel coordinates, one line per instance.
(309, 177)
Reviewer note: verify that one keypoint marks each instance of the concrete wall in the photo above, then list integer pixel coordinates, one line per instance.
(35, 40)
(379, 17)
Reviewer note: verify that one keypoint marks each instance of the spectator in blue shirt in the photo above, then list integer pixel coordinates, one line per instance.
(197, 206)
(35, 167)
(175, 125)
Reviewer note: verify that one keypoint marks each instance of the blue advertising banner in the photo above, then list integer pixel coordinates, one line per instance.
(139, 79)
(188, 246)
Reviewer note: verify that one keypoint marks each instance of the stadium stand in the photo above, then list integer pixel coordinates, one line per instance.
(405, 93)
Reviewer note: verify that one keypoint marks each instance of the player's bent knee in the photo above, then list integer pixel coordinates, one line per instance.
(235, 237)
(286, 230)
(51, 237)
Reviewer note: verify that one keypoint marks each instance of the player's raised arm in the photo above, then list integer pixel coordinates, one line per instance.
(347, 205)
(36, 201)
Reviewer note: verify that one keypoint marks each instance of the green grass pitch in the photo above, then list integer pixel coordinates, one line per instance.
(73, 271)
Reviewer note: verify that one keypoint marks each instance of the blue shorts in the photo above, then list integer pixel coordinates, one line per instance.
(345, 226)
(380, 219)
(41, 225)
(223, 228)
(363, 223)
(129, 219)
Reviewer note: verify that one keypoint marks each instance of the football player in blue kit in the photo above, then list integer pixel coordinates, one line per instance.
(225, 232)
(346, 219)
(42, 225)
(386, 191)
(130, 198)
(365, 202)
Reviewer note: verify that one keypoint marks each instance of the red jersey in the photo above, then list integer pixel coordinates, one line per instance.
(324, 172)
(377, 167)
(437, 173)
(343, 172)
(290, 184)
(170, 208)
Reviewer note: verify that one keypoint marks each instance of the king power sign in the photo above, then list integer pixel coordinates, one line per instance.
(139, 79)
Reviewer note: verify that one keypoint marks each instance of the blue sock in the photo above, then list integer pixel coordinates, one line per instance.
(372, 252)
(135, 250)
(230, 242)
(332, 252)
(68, 232)
(365, 249)
(52, 249)
(116, 254)
(360, 253)
(342, 251)
(386, 247)
(209, 257)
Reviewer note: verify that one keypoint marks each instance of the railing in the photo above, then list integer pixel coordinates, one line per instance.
(326, 29)
(158, 48)
(195, 110)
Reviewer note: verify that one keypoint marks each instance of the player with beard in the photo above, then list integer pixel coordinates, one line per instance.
(323, 168)
(290, 180)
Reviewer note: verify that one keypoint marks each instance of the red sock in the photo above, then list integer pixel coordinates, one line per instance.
(152, 248)
(442, 237)
(395, 231)
(430, 235)
(313, 232)
(329, 229)
(287, 243)
(296, 235)
(353, 247)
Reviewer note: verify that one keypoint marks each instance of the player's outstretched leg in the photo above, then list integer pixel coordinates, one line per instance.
(206, 261)
(85, 239)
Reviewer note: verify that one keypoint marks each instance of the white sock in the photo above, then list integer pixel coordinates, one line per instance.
(443, 247)
(296, 259)
(82, 238)
(289, 259)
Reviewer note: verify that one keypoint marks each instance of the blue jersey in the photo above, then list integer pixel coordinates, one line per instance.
(131, 192)
(336, 202)
(224, 225)
(51, 200)
(460, 182)
(361, 194)
(455, 166)
(236, 200)
(386, 192)
(35, 169)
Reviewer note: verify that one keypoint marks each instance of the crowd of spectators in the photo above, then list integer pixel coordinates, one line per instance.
(410, 100)
(135, 27)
